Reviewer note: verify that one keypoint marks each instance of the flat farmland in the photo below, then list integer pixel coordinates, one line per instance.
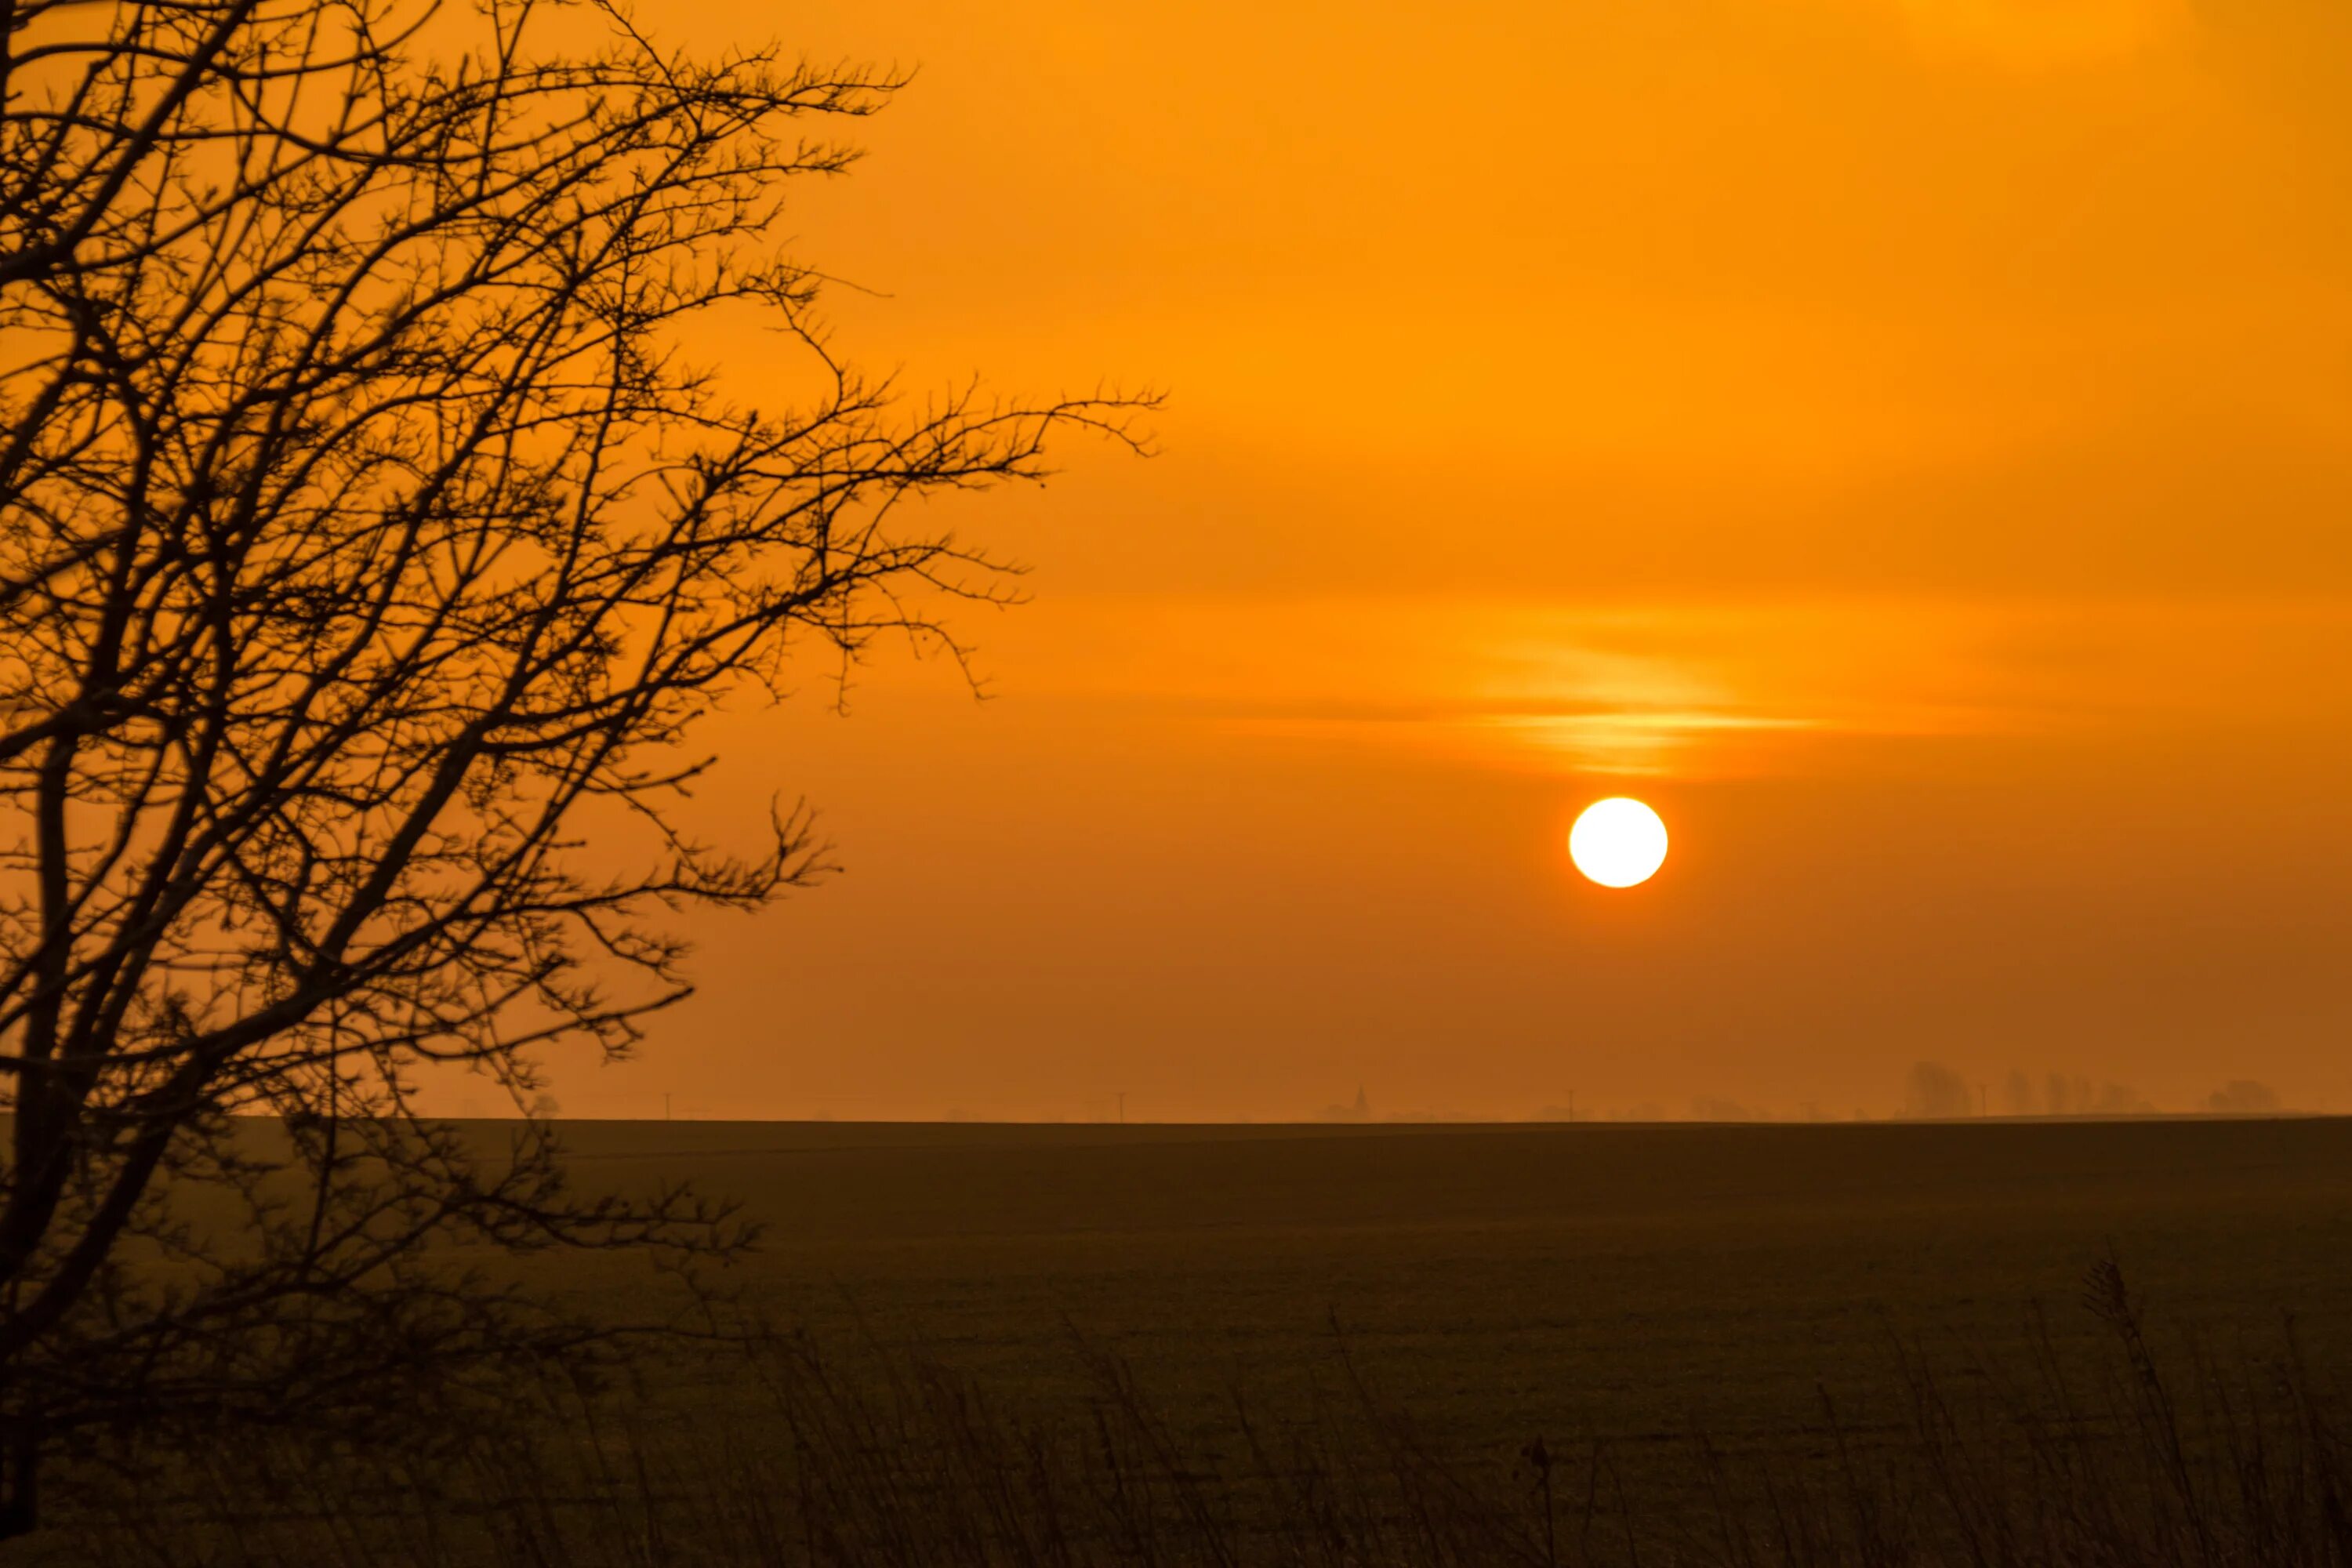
(1626, 1283)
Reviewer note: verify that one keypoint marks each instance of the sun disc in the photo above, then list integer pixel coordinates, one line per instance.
(1618, 842)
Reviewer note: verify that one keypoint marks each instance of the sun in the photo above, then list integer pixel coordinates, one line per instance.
(1618, 842)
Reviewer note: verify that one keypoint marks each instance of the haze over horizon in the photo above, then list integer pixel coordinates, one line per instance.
(1906, 442)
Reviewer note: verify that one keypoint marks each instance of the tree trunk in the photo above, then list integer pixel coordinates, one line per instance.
(20, 1474)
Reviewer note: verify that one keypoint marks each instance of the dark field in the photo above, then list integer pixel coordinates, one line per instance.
(1039, 1345)
(1503, 1281)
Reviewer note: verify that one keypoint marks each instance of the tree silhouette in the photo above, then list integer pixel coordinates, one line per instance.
(1935, 1091)
(364, 531)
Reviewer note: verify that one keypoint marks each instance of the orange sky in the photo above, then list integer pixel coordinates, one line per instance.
(1909, 442)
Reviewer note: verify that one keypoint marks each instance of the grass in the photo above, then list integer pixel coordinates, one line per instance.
(1305, 1347)
(1624, 1282)
(2134, 1456)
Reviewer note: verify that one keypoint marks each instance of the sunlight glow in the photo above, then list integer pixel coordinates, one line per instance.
(1618, 842)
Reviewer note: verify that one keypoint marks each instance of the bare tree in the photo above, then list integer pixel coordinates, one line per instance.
(364, 533)
(1934, 1091)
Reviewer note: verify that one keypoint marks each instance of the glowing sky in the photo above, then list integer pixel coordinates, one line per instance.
(1908, 442)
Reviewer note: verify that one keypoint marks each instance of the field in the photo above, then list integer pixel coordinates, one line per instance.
(1607, 1288)
(1504, 1281)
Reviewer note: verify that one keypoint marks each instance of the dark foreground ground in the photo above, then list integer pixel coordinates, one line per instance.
(1049, 1346)
(1505, 1281)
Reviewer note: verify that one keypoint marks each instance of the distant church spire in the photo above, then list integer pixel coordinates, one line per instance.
(1363, 1106)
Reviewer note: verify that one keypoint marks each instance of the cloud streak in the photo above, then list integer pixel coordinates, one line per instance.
(1700, 690)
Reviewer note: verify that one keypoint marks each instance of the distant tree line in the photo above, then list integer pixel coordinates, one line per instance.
(1936, 1091)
